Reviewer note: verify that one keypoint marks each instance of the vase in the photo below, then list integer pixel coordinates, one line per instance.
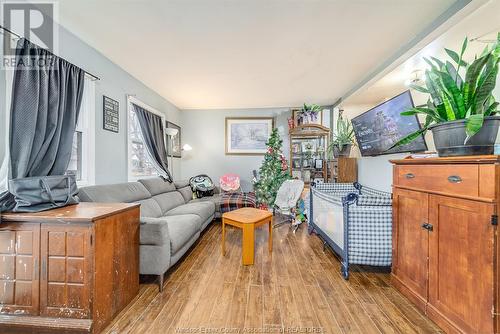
(450, 138)
(344, 151)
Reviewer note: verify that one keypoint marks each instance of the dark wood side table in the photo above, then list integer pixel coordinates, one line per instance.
(71, 268)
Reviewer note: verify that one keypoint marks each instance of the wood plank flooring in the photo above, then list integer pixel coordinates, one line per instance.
(296, 289)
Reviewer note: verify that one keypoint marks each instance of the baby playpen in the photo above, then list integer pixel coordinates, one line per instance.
(355, 221)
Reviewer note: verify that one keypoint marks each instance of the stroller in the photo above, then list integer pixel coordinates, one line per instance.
(202, 185)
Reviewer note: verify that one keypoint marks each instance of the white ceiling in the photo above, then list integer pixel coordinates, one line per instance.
(480, 26)
(254, 53)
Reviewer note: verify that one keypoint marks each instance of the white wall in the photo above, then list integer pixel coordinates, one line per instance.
(116, 83)
(204, 131)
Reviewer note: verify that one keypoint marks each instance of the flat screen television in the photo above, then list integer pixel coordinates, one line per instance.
(381, 127)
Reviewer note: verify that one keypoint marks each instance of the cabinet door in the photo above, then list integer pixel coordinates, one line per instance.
(410, 243)
(19, 268)
(66, 260)
(461, 258)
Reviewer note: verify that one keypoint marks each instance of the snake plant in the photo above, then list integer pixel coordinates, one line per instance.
(453, 97)
(344, 134)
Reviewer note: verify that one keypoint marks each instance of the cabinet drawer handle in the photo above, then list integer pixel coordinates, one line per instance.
(427, 227)
(410, 176)
(454, 179)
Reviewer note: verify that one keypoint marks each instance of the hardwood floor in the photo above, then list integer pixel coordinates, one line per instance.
(297, 287)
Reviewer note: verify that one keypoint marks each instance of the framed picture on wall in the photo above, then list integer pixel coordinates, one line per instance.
(110, 114)
(247, 135)
(176, 141)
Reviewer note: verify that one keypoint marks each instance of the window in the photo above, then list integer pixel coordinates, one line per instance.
(82, 162)
(139, 162)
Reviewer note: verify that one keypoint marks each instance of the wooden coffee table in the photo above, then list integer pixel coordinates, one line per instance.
(247, 219)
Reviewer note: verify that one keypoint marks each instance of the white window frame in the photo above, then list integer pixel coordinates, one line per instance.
(130, 101)
(86, 124)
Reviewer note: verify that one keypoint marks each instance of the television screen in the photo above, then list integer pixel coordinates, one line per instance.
(382, 126)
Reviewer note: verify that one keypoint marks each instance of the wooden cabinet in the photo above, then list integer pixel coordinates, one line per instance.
(73, 268)
(444, 240)
(410, 243)
(342, 170)
(19, 268)
(66, 271)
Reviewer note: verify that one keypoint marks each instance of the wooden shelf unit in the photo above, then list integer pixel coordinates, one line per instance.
(303, 160)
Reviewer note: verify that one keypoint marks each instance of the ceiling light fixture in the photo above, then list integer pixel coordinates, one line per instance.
(415, 78)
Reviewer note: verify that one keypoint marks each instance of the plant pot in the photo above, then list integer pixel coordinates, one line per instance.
(344, 151)
(449, 138)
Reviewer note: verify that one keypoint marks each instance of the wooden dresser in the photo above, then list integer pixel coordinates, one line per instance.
(445, 253)
(74, 268)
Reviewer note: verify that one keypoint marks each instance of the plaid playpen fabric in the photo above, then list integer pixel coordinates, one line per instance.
(234, 200)
(367, 218)
(370, 235)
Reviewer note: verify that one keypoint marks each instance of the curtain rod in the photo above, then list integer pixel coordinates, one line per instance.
(19, 36)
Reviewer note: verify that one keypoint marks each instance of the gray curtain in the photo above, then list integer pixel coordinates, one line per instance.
(44, 111)
(154, 139)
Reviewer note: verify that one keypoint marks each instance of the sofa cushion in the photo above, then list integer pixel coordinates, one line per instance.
(168, 201)
(181, 229)
(154, 231)
(214, 199)
(204, 210)
(114, 193)
(187, 193)
(150, 208)
(157, 185)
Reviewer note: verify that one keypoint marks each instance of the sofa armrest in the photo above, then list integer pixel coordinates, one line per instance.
(154, 231)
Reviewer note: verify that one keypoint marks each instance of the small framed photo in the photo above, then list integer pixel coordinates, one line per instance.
(295, 148)
(308, 146)
(174, 148)
(318, 163)
(296, 163)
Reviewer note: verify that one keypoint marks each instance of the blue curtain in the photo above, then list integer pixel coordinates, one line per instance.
(44, 111)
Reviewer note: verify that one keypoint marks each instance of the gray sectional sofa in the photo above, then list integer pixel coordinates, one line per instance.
(171, 221)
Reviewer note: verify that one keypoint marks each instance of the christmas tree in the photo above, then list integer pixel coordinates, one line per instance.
(272, 173)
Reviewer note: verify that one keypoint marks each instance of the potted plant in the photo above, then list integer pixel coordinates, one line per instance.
(309, 113)
(343, 139)
(461, 111)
